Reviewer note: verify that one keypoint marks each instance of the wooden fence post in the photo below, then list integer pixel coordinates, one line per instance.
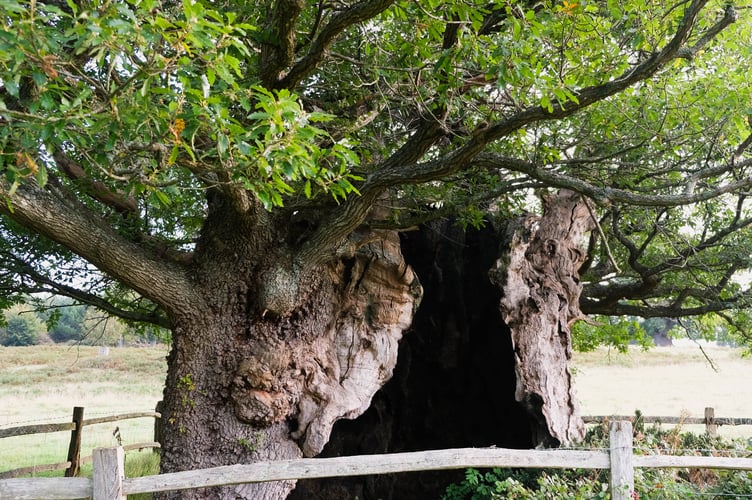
(74, 448)
(109, 473)
(622, 471)
(158, 426)
(711, 428)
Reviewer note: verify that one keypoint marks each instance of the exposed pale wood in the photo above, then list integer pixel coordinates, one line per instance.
(23, 471)
(74, 448)
(622, 470)
(368, 464)
(46, 488)
(669, 461)
(36, 429)
(538, 276)
(109, 473)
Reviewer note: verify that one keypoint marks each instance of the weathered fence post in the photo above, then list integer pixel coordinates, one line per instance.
(158, 426)
(109, 473)
(622, 471)
(711, 428)
(74, 448)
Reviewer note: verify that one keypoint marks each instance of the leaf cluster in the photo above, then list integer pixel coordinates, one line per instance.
(138, 112)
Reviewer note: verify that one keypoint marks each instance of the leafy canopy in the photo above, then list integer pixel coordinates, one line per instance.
(138, 108)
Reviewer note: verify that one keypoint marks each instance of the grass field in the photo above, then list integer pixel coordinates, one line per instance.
(664, 381)
(43, 384)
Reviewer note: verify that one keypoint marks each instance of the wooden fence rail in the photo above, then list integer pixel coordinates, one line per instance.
(461, 458)
(710, 421)
(109, 481)
(74, 460)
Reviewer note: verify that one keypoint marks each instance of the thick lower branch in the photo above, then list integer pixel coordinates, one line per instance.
(51, 213)
(645, 310)
(44, 284)
(603, 195)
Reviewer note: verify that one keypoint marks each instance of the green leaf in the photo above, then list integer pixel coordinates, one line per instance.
(12, 87)
(223, 144)
(41, 176)
(160, 198)
(307, 188)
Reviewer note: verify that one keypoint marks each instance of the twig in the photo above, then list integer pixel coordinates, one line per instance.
(707, 358)
(602, 234)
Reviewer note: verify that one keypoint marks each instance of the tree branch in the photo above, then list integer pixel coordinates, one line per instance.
(278, 51)
(729, 16)
(317, 52)
(401, 168)
(603, 195)
(484, 134)
(124, 204)
(53, 214)
(47, 285)
(591, 307)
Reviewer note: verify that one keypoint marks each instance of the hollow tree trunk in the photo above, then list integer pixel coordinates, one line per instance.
(538, 275)
(464, 377)
(454, 382)
(251, 380)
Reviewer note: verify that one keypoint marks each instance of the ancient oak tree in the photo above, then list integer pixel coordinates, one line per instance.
(240, 173)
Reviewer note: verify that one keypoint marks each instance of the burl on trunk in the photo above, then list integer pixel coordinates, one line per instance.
(248, 383)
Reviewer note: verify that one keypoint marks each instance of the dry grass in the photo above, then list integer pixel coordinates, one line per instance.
(42, 384)
(666, 382)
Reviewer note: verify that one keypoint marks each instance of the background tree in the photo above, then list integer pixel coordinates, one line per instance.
(21, 327)
(65, 321)
(237, 172)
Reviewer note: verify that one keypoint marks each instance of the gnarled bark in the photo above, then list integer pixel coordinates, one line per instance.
(539, 278)
(454, 382)
(464, 377)
(248, 381)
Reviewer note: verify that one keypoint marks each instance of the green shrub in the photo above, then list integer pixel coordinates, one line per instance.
(653, 483)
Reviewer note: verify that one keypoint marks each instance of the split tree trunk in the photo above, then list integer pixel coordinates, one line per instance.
(255, 381)
(464, 377)
(454, 383)
(538, 275)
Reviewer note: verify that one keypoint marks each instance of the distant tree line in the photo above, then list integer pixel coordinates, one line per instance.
(620, 333)
(60, 320)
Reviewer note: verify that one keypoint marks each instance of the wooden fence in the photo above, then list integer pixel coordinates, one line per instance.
(710, 421)
(74, 460)
(109, 481)
(620, 462)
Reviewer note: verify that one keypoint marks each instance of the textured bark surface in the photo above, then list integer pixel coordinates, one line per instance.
(539, 278)
(454, 382)
(258, 379)
(251, 378)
